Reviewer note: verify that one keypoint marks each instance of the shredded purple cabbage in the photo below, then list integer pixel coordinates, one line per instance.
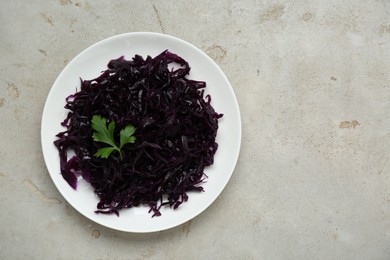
(176, 131)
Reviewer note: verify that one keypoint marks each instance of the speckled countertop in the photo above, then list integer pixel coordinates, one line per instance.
(313, 84)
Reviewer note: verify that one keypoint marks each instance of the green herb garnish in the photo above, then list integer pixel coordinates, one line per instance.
(106, 135)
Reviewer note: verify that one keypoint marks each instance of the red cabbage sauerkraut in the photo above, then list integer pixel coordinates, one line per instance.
(175, 137)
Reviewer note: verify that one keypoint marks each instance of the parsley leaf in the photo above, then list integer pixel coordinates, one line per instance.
(105, 135)
(126, 136)
(104, 152)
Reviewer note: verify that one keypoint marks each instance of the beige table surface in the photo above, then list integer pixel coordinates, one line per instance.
(312, 79)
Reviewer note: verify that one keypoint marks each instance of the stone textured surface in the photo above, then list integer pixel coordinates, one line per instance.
(313, 84)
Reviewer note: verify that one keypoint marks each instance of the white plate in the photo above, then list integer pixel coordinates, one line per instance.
(89, 64)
